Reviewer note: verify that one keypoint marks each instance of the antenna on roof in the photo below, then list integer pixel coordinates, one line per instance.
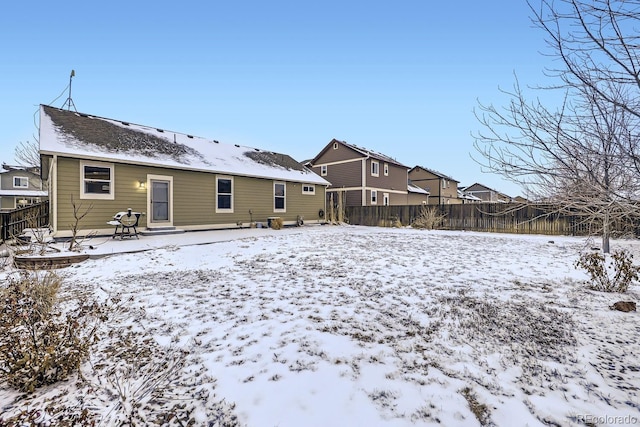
(69, 102)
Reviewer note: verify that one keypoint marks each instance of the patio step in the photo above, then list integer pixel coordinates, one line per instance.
(156, 231)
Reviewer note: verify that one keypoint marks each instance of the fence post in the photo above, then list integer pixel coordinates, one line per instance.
(5, 226)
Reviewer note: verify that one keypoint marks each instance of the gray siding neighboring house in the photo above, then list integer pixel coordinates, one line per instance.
(175, 180)
(19, 187)
(362, 177)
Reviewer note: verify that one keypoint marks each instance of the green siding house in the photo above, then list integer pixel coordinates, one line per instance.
(177, 181)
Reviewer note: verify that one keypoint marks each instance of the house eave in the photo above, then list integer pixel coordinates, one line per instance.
(107, 159)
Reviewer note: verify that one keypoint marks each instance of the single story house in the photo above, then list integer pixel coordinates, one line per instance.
(101, 166)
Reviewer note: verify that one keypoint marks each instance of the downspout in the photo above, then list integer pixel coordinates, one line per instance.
(53, 192)
(364, 181)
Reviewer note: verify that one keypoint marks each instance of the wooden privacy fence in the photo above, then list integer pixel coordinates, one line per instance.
(33, 216)
(492, 217)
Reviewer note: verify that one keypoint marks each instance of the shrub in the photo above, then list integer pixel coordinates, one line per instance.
(276, 223)
(39, 344)
(609, 273)
(428, 218)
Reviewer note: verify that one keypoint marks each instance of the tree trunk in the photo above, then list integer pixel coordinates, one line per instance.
(606, 233)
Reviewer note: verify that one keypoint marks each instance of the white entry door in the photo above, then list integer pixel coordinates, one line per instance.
(160, 200)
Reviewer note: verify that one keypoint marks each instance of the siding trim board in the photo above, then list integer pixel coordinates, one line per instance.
(339, 162)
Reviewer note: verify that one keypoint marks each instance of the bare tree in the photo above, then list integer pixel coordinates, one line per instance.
(27, 155)
(582, 156)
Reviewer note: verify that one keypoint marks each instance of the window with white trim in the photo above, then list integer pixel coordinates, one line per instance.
(323, 170)
(374, 197)
(385, 199)
(445, 183)
(375, 168)
(279, 197)
(335, 145)
(96, 180)
(224, 194)
(308, 189)
(20, 182)
(386, 169)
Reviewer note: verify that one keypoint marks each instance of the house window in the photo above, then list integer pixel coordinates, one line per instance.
(385, 199)
(20, 182)
(386, 169)
(335, 145)
(375, 168)
(374, 197)
(323, 170)
(224, 194)
(96, 180)
(308, 189)
(445, 183)
(279, 197)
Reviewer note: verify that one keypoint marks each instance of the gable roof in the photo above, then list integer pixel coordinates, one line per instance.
(85, 136)
(434, 172)
(484, 188)
(33, 170)
(363, 151)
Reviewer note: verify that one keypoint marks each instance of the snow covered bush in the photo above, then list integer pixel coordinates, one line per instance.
(40, 343)
(609, 272)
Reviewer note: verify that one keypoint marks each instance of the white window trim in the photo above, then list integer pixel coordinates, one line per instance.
(224, 210)
(310, 189)
(20, 186)
(335, 145)
(274, 196)
(377, 168)
(112, 182)
(386, 169)
(323, 170)
(385, 199)
(374, 200)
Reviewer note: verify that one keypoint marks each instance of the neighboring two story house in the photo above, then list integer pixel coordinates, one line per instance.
(361, 177)
(19, 187)
(487, 194)
(443, 190)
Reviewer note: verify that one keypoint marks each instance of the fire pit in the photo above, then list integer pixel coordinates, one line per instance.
(124, 223)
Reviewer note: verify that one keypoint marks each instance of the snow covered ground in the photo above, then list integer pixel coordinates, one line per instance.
(353, 326)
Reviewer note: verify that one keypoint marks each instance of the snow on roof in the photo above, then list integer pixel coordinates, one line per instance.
(23, 193)
(82, 135)
(412, 188)
(467, 196)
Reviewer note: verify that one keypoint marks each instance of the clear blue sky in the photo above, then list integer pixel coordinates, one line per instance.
(401, 78)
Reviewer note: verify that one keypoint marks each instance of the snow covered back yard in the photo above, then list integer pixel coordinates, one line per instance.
(352, 326)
